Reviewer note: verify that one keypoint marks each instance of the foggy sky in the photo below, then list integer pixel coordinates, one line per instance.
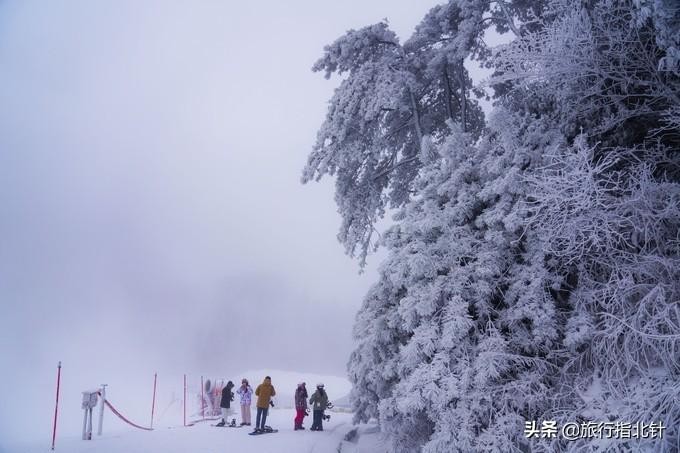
(152, 213)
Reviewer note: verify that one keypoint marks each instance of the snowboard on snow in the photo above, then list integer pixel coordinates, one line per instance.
(267, 430)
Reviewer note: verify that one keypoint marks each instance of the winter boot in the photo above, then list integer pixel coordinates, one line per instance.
(222, 423)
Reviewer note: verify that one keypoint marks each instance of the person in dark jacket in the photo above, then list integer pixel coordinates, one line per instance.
(300, 405)
(319, 400)
(225, 402)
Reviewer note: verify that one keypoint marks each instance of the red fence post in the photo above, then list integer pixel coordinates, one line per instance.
(153, 400)
(56, 406)
(185, 400)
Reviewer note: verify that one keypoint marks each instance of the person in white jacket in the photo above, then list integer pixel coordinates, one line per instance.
(245, 393)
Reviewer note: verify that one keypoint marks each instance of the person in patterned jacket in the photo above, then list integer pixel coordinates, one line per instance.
(245, 392)
(300, 405)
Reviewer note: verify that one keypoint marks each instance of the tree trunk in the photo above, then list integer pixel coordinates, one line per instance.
(463, 95)
(449, 91)
(416, 119)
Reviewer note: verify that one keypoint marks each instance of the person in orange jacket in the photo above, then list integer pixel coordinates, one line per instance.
(264, 393)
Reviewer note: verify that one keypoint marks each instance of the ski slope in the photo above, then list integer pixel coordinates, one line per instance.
(170, 436)
(204, 438)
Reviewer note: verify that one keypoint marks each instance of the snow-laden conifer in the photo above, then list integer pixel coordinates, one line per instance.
(533, 268)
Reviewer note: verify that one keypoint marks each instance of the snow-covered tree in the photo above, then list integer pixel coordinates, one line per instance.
(613, 223)
(475, 320)
(394, 100)
(606, 208)
(533, 269)
(602, 63)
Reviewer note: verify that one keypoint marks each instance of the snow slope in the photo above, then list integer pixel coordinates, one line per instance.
(133, 401)
(204, 438)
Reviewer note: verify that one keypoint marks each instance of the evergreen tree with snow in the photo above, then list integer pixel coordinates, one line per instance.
(533, 268)
(394, 101)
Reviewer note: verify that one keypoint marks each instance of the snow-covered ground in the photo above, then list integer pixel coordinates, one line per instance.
(204, 438)
(170, 436)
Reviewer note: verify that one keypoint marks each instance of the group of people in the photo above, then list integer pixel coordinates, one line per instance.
(319, 402)
(264, 393)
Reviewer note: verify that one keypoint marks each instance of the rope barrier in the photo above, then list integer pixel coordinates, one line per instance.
(203, 418)
(113, 409)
